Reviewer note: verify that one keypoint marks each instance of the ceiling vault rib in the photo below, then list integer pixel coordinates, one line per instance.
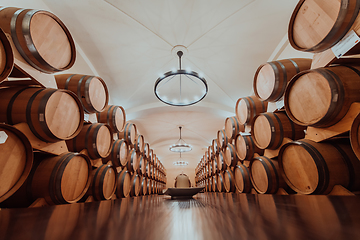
(138, 22)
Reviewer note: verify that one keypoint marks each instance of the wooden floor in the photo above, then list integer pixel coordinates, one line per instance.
(206, 216)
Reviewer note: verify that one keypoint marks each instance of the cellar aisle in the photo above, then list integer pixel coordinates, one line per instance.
(206, 216)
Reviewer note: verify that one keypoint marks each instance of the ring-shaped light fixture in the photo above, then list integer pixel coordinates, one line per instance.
(180, 146)
(180, 87)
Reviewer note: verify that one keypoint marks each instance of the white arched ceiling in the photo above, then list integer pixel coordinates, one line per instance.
(129, 44)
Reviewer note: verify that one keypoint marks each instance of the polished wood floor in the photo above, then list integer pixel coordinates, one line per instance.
(206, 216)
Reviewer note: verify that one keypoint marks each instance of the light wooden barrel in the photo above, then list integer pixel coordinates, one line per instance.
(141, 163)
(246, 148)
(242, 179)
(135, 185)
(40, 37)
(62, 179)
(220, 162)
(6, 56)
(233, 127)
(355, 136)
(147, 151)
(270, 129)
(91, 90)
(321, 97)
(229, 181)
(52, 114)
(222, 138)
(123, 184)
(215, 146)
(220, 182)
(96, 138)
(248, 107)
(271, 78)
(149, 186)
(119, 153)
(139, 143)
(265, 175)
(130, 134)
(144, 165)
(315, 168)
(103, 183)
(133, 164)
(143, 186)
(316, 26)
(16, 160)
(214, 167)
(230, 156)
(114, 116)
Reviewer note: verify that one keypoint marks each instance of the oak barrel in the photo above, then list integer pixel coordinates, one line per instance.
(143, 186)
(144, 165)
(40, 37)
(222, 138)
(233, 127)
(242, 179)
(52, 114)
(139, 143)
(114, 116)
(103, 183)
(220, 162)
(269, 130)
(215, 146)
(355, 136)
(135, 185)
(248, 107)
(316, 26)
(96, 138)
(130, 134)
(133, 164)
(16, 160)
(123, 184)
(246, 148)
(91, 90)
(62, 179)
(214, 184)
(220, 182)
(147, 151)
(6, 56)
(265, 175)
(321, 97)
(230, 156)
(119, 153)
(229, 180)
(271, 78)
(309, 167)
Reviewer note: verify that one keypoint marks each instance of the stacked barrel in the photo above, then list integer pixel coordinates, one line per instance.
(50, 152)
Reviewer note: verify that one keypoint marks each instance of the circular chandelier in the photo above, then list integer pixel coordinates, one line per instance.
(180, 162)
(180, 87)
(180, 145)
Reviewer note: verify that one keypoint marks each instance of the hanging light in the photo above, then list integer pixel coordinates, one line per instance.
(180, 162)
(180, 87)
(180, 145)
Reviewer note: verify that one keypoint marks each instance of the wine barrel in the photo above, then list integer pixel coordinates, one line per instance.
(96, 138)
(16, 160)
(114, 116)
(265, 175)
(315, 168)
(133, 161)
(220, 160)
(316, 26)
(230, 156)
(149, 186)
(321, 97)
(242, 179)
(147, 151)
(62, 179)
(355, 136)
(123, 184)
(270, 129)
(233, 127)
(246, 148)
(143, 186)
(214, 168)
(103, 183)
(40, 37)
(139, 143)
(52, 114)
(220, 182)
(271, 78)
(215, 146)
(135, 185)
(214, 184)
(141, 163)
(229, 181)
(144, 165)
(130, 134)
(119, 153)
(91, 90)
(248, 107)
(6, 56)
(222, 138)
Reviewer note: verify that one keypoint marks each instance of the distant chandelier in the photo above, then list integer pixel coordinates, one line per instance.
(180, 145)
(180, 87)
(180, 162)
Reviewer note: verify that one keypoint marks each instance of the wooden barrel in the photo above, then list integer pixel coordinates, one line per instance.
(265, 175)
(6, 56)
(271, 78)
(119, 153)
(220, 160)
(233, 127)
(133, 161)
(242, 179)
(222, 138)
(248, 107)
(316, 26)
(214, 184)
(91, 90)
(143, 186)
(220, 182)
(149, 186)
(214, 167)
(246, 148)
(144, 165)
(215, 146)
(141, 163)
(229, 181)
(62, 179)
(270, 129)
(321, 97)
(139, 143)
(355, 136)
(96, 138)
(315, 168)
(123, 184)
(103, 183)
(40, 37)
(16, 160)
(52, 114)
(135, 185)
(147, 151)
(114, 116)
(130, 134)
(230, 156)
